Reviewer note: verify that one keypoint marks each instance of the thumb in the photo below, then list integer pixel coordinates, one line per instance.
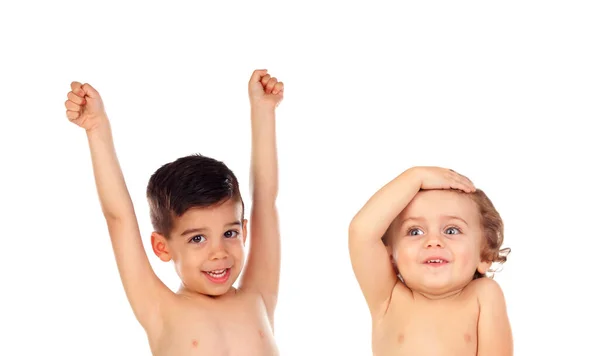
(257, 75)
(90, 91)
(76, 89)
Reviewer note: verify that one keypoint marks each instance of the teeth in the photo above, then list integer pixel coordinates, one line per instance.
(435, 261)
(217, 273)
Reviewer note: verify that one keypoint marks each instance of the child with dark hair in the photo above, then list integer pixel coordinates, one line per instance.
(422, 249)
(197, 214)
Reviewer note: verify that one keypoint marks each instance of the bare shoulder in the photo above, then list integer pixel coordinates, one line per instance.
(249, 297)
(487, 291)
(494, 334)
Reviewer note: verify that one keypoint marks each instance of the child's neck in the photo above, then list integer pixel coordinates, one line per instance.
(192, 294)
(437, 297)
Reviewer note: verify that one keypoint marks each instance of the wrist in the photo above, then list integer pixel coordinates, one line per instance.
(262, 108)
(413, 177)
(262, 114)
(101, 128)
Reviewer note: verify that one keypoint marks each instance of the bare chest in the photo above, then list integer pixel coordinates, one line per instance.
(239, 328)
(417, 330)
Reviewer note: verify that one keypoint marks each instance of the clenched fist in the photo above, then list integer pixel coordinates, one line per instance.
(264, 91)
(84, 106)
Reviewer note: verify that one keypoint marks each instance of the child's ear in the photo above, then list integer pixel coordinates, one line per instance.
(390, 251)
(393, 262)
(160, 247)
(244, 231)
(484, 267)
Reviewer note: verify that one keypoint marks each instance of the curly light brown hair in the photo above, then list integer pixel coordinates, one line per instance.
(493, 233)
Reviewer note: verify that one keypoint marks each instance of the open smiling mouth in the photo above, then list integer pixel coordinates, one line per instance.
(218, 276)
(436, 262)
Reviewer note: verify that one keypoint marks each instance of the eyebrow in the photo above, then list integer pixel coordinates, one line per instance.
(203, 229)
(452, 217)
(449, 217)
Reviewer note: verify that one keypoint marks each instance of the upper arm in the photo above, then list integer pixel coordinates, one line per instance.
(144, 290)
(494, 331)
(262, 269)
(373, 269)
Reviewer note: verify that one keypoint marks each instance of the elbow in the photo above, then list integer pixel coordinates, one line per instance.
(113, 217)
(357, 226)
(356, 230)
(266, 194)
(265, 201)
(117, 211)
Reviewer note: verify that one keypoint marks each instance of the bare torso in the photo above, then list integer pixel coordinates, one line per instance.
(417, 326)
(237, 325)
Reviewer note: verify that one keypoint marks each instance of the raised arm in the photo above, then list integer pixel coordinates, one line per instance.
(494, 335)
(262, 268)
(369, 256)
(143, 288)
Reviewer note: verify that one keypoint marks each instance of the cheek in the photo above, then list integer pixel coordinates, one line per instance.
(191, 256)
(405, 252)
(467, 253)
(236, 248)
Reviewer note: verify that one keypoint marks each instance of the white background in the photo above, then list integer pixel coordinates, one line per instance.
(503, 92)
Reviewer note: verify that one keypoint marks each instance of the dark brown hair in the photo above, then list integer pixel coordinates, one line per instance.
(188, 182)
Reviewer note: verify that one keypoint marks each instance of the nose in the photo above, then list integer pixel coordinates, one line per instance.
(434, 240)
(218, 251)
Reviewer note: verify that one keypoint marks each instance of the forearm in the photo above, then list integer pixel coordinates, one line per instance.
(110, 184)
(263, 265)
(264, 170)
(372, 221)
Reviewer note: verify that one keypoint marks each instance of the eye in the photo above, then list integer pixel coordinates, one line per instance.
(197, 239)
(231, 234)
(452, 231)
(415, 231)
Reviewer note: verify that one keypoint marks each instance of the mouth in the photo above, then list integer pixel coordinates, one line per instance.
(218, 276)
(436, 262)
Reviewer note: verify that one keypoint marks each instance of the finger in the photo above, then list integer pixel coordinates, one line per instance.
(72, 115)
(75, 98)
(456, 181)
(464, 183)
(458, 185)
(270, 85)
(71, 106)
(470, 184)
(265, 79)
(90, 91)
(76, 88)
(257, 75)
(460, 175)
(278, 88)
(457, 175)
(470, 181)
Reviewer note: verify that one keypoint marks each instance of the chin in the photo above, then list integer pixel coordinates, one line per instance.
(437, 288)
(445, 286)
(214, 293)
(433, 286)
